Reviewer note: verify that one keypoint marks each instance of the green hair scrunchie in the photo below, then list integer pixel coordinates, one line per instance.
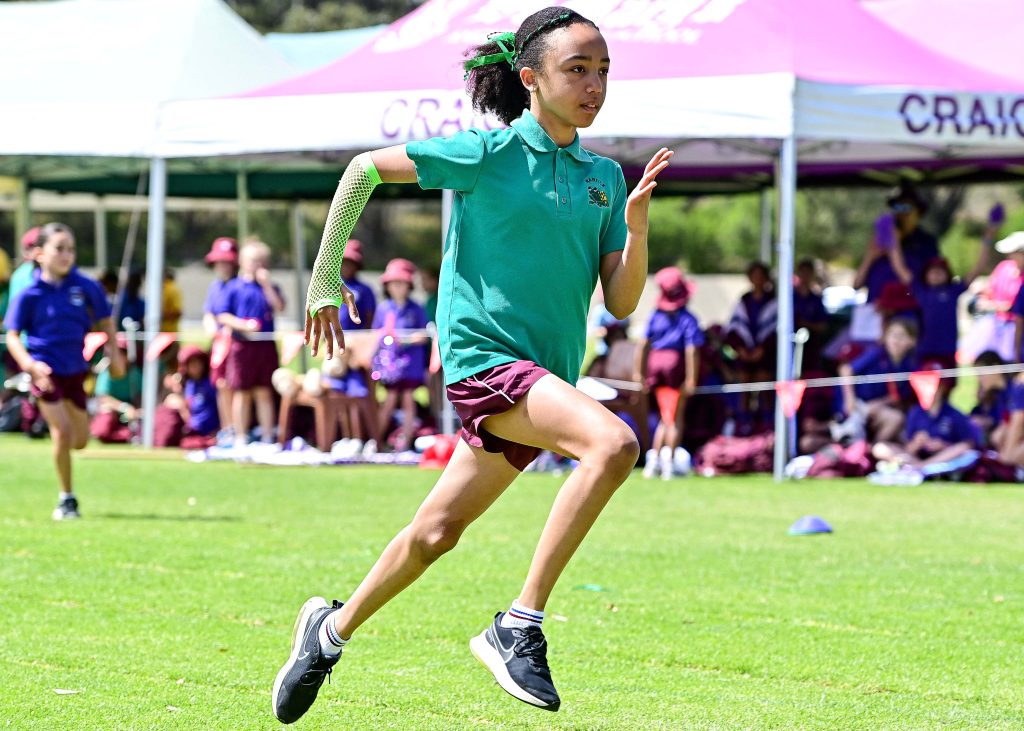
(506, 42)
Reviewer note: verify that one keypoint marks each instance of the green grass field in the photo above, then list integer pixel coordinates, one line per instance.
(160, 611)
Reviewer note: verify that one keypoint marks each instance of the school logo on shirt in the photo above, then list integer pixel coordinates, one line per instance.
(77, 296)
(598, 192)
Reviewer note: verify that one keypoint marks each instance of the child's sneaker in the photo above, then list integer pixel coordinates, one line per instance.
(682, 463)
(650, 463)
(67, 509)
(299, 679)
(665, 466)
(517, 658)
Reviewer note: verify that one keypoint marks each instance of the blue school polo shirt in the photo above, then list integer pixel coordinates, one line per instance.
(876, 362)
(529, 225)
(938, 317)
(949, 425)
(674, 330)
(245, 298)
(201, 397)
(410, 316)
(366, 305)
(56, 318)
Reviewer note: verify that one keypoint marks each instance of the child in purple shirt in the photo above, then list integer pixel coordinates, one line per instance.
(223, 257)
(247, 305)
(56, 312)
(671, 351)
(401, 360)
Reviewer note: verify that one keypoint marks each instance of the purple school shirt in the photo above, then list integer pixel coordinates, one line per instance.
(366, 304)
(213, 293)
(998, 409)
(56, 317)
(876, 361)
(410, 317)
(918, 249)
(808, 308)
(245, 298)
(949, 425)
(1015, 397)
(201, 397)
(674, 330)
(938, 317)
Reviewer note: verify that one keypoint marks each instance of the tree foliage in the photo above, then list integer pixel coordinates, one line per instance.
(305, 16)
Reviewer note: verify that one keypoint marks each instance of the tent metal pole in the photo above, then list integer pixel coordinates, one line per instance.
(100, 228)
(299, 255)
(23, 213)
(785, 179)
(766, 226)
(154, 291)
(242, 188)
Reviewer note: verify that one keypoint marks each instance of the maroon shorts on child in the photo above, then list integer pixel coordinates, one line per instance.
(71, 388)
(251, 363)
(495, 391)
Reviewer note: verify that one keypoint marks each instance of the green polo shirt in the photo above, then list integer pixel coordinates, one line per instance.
(530, 223)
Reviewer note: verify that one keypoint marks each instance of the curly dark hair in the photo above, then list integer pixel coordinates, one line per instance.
(496, 88)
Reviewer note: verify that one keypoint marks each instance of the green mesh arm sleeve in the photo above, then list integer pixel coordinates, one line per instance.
(350, 198)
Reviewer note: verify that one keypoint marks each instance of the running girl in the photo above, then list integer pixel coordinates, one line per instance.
(56, 311)
(536, 221)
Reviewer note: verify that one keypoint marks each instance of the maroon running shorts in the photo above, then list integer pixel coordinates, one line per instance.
(495, 391)
(71, 388)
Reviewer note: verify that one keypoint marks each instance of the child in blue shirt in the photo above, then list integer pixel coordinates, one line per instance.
(247, 305)
(401, 361)
(223, 257)
(536, 221)
(991, 411)
(935, 436)
(55, 312)
(673, 363)
(882, 405)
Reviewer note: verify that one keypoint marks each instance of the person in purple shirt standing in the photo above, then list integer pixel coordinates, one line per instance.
(881, 406)
(55, 312)
(356, 382)
(809, 312)
(672, 339)
(401, 360)
(900, 243)
(247, 305)
(223, 257)
(751, 333)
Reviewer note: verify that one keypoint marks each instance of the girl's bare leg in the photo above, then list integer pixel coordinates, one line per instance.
(557, 417)
(69, 429)
(470, 483)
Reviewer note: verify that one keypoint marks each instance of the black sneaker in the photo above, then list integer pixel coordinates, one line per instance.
(67, 509)
(517, 657)
(299, 680)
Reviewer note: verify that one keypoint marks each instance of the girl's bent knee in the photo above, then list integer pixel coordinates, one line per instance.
(432, 542)
(615, 448)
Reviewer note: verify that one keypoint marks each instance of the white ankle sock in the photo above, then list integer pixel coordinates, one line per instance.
(520, 616)
(331, 643)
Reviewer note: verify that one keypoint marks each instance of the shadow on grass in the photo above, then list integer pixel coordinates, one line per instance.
(155, 516)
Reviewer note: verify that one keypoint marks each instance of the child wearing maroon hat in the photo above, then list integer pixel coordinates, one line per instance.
(671, 352)
(223, 257)
(356, 382)
(401, 361)
(247, 305)
(55, 312)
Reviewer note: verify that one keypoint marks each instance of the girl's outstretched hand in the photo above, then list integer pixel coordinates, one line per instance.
(639, 200)
(327, 324)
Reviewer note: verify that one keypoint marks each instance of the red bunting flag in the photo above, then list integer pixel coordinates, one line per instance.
(219, 348)
(93, 342)
(159, 344)
(791, 394)
(926, 386)
(291, 345)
